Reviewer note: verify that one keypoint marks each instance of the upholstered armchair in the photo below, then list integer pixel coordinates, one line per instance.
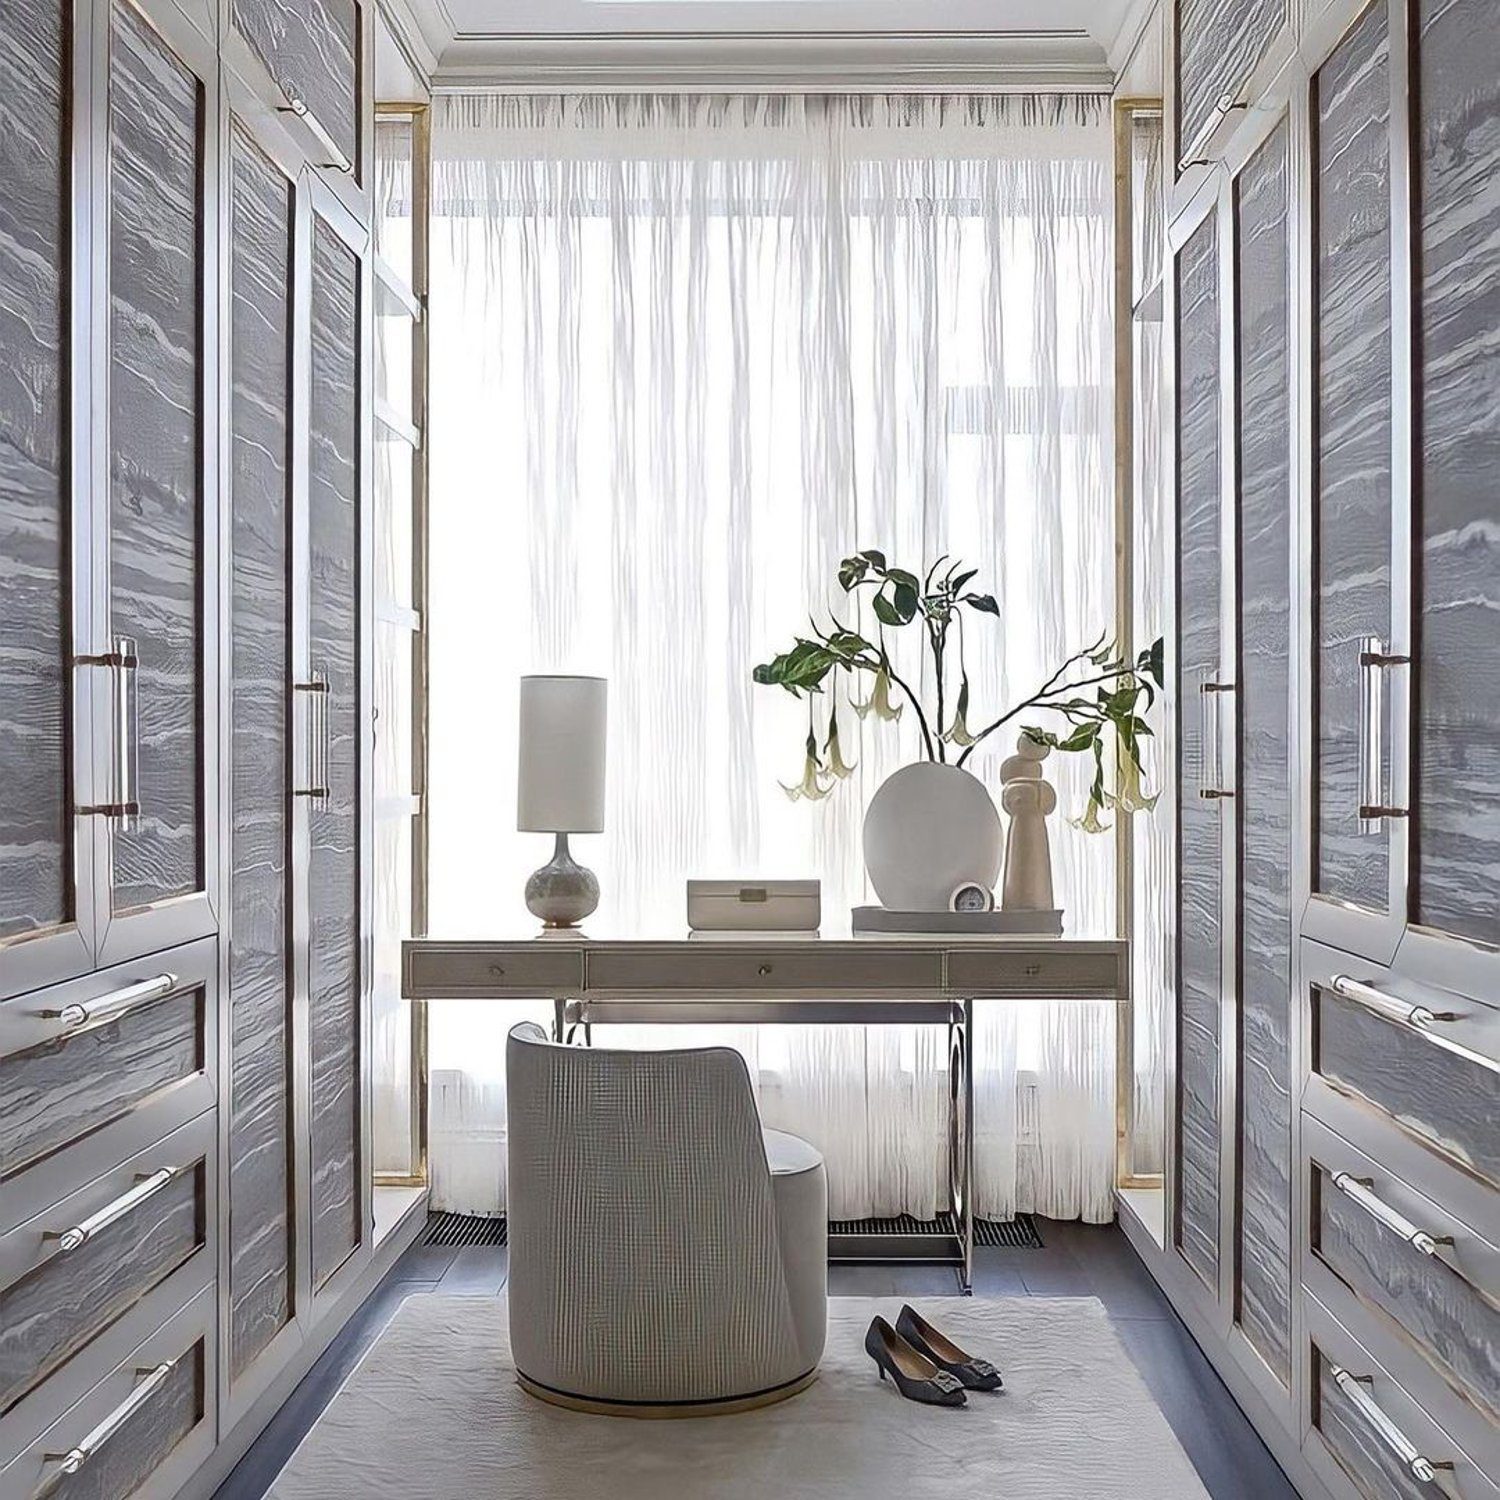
(668, 1256)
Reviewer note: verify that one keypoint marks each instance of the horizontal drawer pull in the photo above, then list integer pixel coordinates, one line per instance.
(106, 1007)
(296, 105)
(1358, 1190)
(75, 1458)
(1416, 1018)
(1422, 1469)
(83, 1231)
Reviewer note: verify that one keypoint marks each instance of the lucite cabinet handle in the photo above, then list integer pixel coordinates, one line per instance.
(84, 1230)
(1414, 1017)
(75, 1458)
(1422, 1469)
(1211, 745)
(107, 1007)
(1359, 1190)
(314, 694)
(296, 105)
(123, 805)
(1224, 106)
(1375, 660)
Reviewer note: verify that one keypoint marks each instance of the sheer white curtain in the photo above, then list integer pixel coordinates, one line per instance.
(687, 353)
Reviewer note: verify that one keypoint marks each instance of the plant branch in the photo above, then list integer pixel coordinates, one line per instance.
(912, 698)
(1038, 700)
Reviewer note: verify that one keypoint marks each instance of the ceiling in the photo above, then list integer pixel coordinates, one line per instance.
(765, 43)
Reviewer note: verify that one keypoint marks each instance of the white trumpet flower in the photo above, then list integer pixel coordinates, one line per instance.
(812, 787)
(879, 701)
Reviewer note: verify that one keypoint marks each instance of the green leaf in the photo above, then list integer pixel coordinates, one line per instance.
(906, 600)
(875, 558)
(902, 579)
(851, 572)
(885, 611)
(954, 585)
(848, 643)
(984, 603)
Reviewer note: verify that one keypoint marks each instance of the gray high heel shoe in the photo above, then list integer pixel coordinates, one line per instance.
(916, 1377)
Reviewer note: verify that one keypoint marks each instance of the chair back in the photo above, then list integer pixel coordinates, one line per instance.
(644, 1258)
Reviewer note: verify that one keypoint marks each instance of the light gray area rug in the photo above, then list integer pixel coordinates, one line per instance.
(433, 1413)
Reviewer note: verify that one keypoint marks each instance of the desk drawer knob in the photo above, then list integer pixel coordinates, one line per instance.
(765, 969)
(498, 970)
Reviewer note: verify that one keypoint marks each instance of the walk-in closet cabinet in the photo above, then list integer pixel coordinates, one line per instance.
(1333, 1178)
(1233, 1155)
(106, 411)
(185, 725)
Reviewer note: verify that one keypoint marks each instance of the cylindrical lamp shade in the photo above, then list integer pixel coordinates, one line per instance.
(561, 761)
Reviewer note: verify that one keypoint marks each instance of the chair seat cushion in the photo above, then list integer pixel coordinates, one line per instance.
(787, 1155)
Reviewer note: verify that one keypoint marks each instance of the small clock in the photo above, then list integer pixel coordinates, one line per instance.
(971, 896)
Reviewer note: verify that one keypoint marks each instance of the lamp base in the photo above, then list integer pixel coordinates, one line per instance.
(562, 893)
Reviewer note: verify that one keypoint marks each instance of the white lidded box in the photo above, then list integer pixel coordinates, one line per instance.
(754, 905)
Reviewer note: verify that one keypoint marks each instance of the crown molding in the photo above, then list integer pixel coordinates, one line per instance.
(822, 62)
(1135, 26)
(422, 28)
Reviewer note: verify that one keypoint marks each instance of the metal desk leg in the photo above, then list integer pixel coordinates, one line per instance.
(961, 1137)
(967, 1228)
(559, 1020)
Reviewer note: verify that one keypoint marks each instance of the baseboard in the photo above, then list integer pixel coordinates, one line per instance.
(1175, 1283)
(236, 1443)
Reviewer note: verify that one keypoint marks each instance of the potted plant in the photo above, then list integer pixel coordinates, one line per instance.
(1097, 699)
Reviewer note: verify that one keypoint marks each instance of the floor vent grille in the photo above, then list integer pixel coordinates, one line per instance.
(452, 1230)
(1019, 1233)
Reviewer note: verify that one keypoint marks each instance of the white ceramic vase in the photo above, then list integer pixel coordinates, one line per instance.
(929, 829)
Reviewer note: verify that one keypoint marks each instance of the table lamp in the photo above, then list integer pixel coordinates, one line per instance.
(561, 788)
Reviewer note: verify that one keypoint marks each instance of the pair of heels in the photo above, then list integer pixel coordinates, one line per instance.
(926, 1366)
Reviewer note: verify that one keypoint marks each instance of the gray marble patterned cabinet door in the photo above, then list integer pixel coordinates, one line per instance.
(1199, 926)
(156, 436)
(1265, 783)
(333, 887)
(312, 49)
(38, 889)
(1352, 368)
(1456, 787)
(261, 1197)
(1219, 44)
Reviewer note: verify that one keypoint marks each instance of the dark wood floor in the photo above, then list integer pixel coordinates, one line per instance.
(1076, 1260)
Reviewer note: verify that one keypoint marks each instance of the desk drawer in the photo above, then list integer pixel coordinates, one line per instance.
(76, 1058)
(69, 1273)
(458, 971)
(1437, 1075)
(1382, 1443)
(1426, 1275)
(858, 969)
(1032, 973)
(141, 1431)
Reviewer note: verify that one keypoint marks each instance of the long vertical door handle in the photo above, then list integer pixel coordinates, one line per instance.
(1375, 660)
(314, 695)
(1211, 726)
(122, 806)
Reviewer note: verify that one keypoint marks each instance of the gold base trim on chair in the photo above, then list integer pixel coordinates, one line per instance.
(657, 1411)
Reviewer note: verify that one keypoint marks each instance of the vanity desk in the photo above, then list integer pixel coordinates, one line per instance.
(767, 979)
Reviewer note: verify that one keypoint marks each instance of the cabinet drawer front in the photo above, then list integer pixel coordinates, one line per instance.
(766, 970)
(1034, 973)
(78, 1057)
(1401, 1255)
(141, 1431)
(1379, 1437)
(1440, 1083)
(66, 1275)
(458, 971)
